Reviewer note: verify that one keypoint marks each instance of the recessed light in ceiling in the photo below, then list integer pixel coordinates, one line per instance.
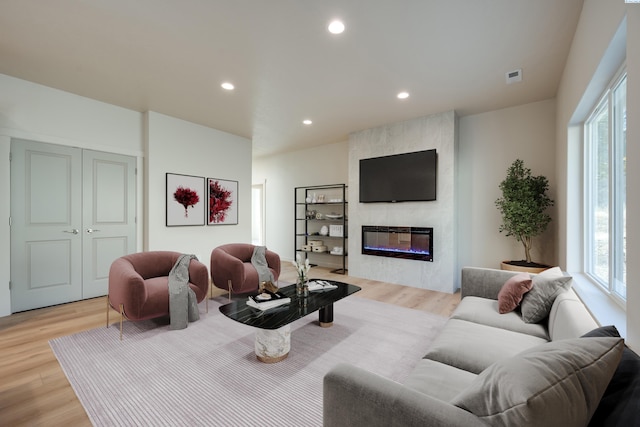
(403, 95)
(336, 27)
(307, 122)
(227, 86)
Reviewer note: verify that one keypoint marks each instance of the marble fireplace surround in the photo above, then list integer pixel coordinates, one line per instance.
(437, 131)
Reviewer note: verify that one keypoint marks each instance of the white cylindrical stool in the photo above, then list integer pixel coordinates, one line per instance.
(273, 345)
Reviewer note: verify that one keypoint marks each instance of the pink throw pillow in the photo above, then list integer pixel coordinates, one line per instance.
(512, 292)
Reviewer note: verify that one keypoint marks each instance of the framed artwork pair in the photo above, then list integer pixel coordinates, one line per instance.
(195, 200)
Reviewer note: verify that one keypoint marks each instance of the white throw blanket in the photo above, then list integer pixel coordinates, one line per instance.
(259, 261)
(183, 304)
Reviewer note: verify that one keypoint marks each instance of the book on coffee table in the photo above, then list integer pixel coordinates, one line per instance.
(267, 300)
(321, 285)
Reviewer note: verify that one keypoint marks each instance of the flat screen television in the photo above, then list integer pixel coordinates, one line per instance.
(408, 177)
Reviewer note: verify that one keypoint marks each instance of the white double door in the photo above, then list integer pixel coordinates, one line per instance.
(72, 214)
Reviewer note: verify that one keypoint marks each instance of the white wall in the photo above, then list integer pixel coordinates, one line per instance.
(177, 146)
(607, 31)
(489, 143)
(161, 144)
(35, 112)
(327, 164)
(590, 66)
(436, 131)
(633, 177)
(32, 111)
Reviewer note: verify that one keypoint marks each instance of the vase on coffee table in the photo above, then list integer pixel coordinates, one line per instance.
(302, 286)
(302, 268)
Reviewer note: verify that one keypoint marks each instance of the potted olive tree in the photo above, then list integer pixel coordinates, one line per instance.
(523, 207)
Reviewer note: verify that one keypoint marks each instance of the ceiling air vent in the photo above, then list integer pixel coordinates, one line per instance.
(514, 76)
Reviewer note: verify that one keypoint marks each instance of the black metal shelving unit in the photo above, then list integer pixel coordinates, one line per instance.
(328, 203)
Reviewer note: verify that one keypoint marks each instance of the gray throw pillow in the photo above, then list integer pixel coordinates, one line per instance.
(536, 304)
(555, 384)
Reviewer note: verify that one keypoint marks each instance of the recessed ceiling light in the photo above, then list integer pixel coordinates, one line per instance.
(227, 86)
(403, 95)
(336, 27)
(307, 121)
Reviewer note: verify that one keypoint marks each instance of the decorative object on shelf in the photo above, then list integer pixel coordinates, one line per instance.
(313, 199)
(337, 250)
(223, 202)
(318, 215)
(310, 214)
(185, 200)
(334, 216)
(315, 243)
(336, 230)
(321, 198)
(523, 207)
(303, 269)
(308, 200)
(324, 231)
(320, 249)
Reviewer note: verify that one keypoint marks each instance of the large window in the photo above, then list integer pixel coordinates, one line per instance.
(606, 186)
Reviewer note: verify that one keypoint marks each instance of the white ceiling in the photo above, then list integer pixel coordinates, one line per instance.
(170, 56)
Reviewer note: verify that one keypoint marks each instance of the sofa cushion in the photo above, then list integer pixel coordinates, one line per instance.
(485, 312)
(474, 347)
(620, 404)
(483, 282)
(536, 304)
(556, 384)
(569, 318)
(438, 380)
(512, 292)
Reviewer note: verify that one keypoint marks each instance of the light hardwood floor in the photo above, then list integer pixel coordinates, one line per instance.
(34, 390)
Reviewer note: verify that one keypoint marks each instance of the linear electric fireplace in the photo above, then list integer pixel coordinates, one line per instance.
(398, 242)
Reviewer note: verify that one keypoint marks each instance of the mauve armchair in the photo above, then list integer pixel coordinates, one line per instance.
(139, 284)
(231, 268)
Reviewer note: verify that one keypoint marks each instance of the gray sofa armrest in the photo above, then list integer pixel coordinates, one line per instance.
(355, 397)
(483, 282)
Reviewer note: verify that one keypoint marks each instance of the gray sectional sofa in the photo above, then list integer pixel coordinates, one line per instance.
(487, 368)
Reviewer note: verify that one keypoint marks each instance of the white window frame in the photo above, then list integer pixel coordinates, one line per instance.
(616, 196)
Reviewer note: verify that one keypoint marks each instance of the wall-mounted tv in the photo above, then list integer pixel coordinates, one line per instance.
(408, 177)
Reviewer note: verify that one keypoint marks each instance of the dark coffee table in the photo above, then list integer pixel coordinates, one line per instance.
(273, 334)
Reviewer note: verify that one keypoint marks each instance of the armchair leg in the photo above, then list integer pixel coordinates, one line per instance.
(121, 317)
(229, 286)
(108, 311)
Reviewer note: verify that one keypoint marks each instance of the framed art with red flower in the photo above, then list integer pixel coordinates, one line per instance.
(222, 208)
(186, 199)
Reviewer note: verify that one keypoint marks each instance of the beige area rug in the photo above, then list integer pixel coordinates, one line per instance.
(208, 375)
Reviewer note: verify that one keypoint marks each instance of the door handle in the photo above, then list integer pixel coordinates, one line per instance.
(74, 231)
(91, 230)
